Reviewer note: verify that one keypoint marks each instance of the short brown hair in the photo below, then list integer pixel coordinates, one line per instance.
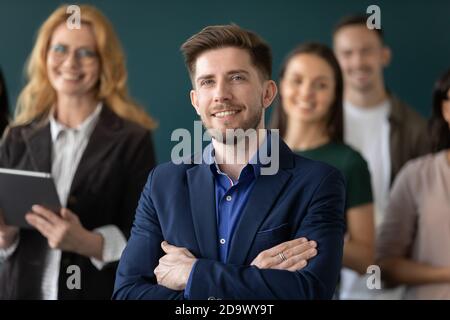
(215, 37)
(356, 20)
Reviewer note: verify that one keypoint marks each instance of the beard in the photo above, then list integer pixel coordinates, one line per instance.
(364, 86)
(230, 135)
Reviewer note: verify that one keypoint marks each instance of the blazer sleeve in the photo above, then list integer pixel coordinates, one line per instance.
(4, 152)
(135, 278)
(324, 223)
(396, 234)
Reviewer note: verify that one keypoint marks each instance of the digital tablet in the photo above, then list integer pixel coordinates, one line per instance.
(20, 190)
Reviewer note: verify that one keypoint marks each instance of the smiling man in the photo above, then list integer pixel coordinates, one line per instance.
(378, 124)
(224, 229)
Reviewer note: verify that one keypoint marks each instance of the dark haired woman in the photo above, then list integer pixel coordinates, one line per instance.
(309, 116)
(414, 242)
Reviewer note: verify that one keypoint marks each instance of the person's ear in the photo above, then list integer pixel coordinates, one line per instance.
(270, 92)
(386, 56)
(194, 101)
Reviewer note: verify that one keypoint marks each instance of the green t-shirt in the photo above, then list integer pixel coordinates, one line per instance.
(351, 164)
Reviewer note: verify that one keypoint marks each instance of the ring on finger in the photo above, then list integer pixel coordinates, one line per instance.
(282, 256)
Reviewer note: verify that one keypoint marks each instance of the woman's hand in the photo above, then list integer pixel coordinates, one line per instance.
(65, 232)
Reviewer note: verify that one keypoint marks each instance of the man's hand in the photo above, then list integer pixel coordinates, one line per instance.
(175, 267)
(290, 255)
(65, 232)
(7, 233)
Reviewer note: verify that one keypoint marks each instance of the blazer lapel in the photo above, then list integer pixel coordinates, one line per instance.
(202, 200)
(265, 193)
(38, 141)
(99, 146)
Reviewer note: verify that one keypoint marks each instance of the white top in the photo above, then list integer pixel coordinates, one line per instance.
(69, 145)
(367, 130)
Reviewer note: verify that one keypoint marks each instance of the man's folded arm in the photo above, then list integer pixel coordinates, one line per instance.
(323, 223)
(135, 278)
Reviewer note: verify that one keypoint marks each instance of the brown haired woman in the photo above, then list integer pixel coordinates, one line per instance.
(309, 117)
(414, 239)
(74, 118)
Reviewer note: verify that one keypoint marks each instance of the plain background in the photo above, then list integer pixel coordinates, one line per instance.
(151, 32)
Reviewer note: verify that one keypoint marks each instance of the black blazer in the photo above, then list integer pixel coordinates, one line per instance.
(105, 190)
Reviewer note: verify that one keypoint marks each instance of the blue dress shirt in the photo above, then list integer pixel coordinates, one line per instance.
(231, 198)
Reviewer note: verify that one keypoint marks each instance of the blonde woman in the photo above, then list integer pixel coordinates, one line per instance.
(75, 119)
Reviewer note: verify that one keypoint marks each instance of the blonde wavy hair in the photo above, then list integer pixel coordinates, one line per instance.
(38, 96)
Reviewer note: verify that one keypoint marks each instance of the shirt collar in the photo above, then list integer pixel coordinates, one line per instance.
(85, 128)
(255, 162)
(380, 110)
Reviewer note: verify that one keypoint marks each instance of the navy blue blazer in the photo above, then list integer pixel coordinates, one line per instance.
(304, 199)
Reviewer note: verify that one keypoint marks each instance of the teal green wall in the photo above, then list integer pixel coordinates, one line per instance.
(152, 31)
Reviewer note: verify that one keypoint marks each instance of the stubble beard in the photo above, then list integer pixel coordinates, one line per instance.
(228, 136)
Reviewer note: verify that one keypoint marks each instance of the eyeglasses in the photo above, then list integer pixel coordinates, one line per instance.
(60, 52)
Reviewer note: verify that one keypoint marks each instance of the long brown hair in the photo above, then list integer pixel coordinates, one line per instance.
(38, 96)
(335, 122)
(439, 128)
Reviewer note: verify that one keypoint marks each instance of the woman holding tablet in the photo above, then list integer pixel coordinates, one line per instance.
(74, 119)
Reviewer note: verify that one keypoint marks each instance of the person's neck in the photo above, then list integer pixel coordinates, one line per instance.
(71, 111)
(228, 155)
(366, 98)
(448, 157)
(305, 136)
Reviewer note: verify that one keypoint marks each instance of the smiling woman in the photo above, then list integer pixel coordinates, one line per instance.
(415, 232)
(39, 95)
(72, 62)
(309, 116)
(74, 118)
